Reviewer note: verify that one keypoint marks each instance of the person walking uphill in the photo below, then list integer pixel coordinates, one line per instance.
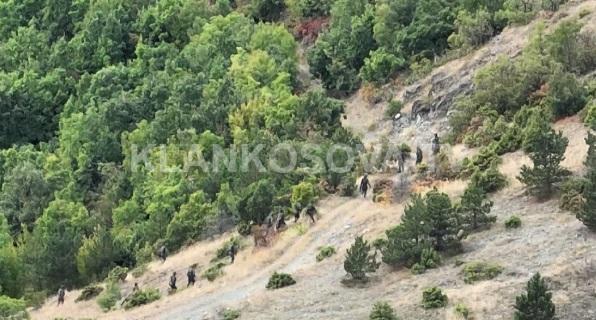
(173, 282)
(364, 185)
(162, 253)
(192, 276)
(418, 155)
(436, 144)
(61, 295)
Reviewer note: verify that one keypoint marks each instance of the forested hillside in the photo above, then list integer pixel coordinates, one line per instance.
(124, 124)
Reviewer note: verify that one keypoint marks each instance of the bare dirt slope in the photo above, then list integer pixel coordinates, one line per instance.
(550, 241)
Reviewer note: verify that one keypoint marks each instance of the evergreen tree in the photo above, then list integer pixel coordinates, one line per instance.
(548, 150)
(536, 304)
(359, 261)
(587, 215)
(475, 208)
(442, 219)
(382, 311)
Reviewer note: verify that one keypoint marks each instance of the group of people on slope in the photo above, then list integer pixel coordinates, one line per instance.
(401, 158)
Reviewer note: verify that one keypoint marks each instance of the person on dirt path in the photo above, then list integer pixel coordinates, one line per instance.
(162, 253)
(173, 281)
(311, 211)
(192, 277)
(61, 295)
(233, 252)
(135, 288)
(401, 160)
(364, 185)
(297, 209)
(436, 146)
(281, 221)
(418, 155)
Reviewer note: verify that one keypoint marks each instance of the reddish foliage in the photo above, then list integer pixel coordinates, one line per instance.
(308, 31)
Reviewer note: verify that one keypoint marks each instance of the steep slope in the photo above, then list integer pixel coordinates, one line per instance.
(551, 241)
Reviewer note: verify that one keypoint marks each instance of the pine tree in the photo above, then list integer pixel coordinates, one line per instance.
(382, 311)
(441, 219)
(475, 208)
(359, 261)
(548, 150)
(536, 304)
(587, 214)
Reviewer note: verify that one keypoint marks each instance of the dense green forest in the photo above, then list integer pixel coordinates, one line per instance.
(87, 86)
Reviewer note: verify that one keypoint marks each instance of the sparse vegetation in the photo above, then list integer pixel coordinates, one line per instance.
(118, 274)
(393, 108)
(89, 292)
(571, 198)
(433, 298)
(230, 314)
(280, 280)
(214, 271)
(109, 297)
(513, 222)
(141, 297)
(382, 311)
(462, 311)
(536, 303)
(478, 271)
(325, 252)
(13, 308)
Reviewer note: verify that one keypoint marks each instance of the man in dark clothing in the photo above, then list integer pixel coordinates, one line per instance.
(233, 252)
(436, 144)
(173, 281)
(311, 211)
(297, 210)
(135, 288)
(191, 275)
(418, 155)
(61, 295)
(364, 185)
(162, 253)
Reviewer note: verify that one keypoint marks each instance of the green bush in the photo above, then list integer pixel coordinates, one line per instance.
(590, 119)
(141, 297)
(89, 293)
(325, 252)
(382, 311)
(224, 250)
(478, 271)
(139, 270)
(417, 268)
(462, 311)
(571, 198)
(513, 222)
(379, 66)
(230, 314)
(393, 108)
(11, 308)
(536, 303)
(109, 297)
(433, 298)
(118, 274)
(429, 258)
(214, 271)
(35, 299)
(310, 8)
(243, 228)
(566, 96)
(359, 261)
(303, 194)
(488, 181)
(266, 10)
(280, 280)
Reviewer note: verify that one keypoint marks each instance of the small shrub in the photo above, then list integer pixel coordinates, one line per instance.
(405, 148)
(417, 268)
(89, 293)
(141, 297)
(393, 108)
(478, 271)
(513, 222)
(433, 298)
(280, 280)
(139, 270)
(536, 303)
(430, 258)
(11, 308)
(224, 250)
(489, 181)
(382, 311)
(571, 195)
(118, 274)
(108, 298)
(359, 261)
(422, 168)
(243, 228)
(35, 299)
(462, 311)
(584, 12)
(214, 271)
(230, 314)
(325, 252)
